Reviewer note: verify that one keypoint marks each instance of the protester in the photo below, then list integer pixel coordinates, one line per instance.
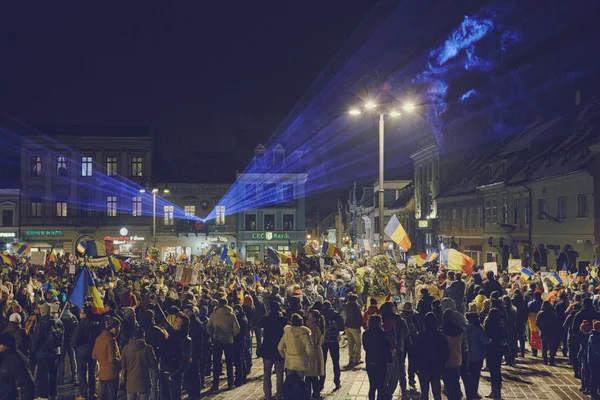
(549, 324)
(82, 341)
(296, 347)
(273, 324)
(352, 329)
(106, 352)
(48, 337)
(16, 380)
(222, 327)
(378, 354)
(315, 376)
(494, 329)
(593, 360)
(477, 345)
(334, 325)
(432, 347)
(175, 358)
(137, 361)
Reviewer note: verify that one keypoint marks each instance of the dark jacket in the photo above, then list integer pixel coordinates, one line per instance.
(424, 306)
(587, 313)
(176, 353)
(593, 353)
(522, 310)
(259, 309)
(491, 286)
(136, 362)
(196, 335)
(477, 342)
(84, 336)
(272, 325)
(432, 350)
(332, 315)
(239, 340)
(377, 347)
(456, 291)
(353, 315)
(39, 341)
(548, 323)
(15, 373)
(69, 322)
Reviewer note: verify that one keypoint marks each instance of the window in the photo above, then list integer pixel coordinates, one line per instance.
(111, 206)
(86, 207)
(61, 166)
(505, 209)
(220, 211)
(283, 248)
(494, 209)
(288, 191)
(288, 222)
(250, 191)
(111, 166)
(8, 218)
(488, 210)
(542, 208)
(137, 166)
(561, 207)
(526, 210)
(516, 211)
(463, 217)
(454, 219)
(250, 222)
(269, 222)
(168, 212)
(35, 167)
(35, 207)
(136, 206)
(61, 207)
(253, 251)
(86, 166)
(582, 205)
(190, 211)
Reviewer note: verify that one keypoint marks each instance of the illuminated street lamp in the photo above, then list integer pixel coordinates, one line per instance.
(154, 191)
(382, 111)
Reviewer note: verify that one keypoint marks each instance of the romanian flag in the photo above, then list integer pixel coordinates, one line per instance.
(310, 250)
(7, 259)
(330, 250)
(397, 233)
(95, 248)
(276, 257)
(21, 248)
(52, 256)
(526, 273)
(294, 252)
(555, 278)
(182, 257)
(228, 256)
(84, 288)
(116, 263)
(195, 258)
(458, 261)
(431, 257)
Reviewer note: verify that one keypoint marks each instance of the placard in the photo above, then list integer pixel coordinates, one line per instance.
(491, 266)
(514, 266)
(250, 259)
(194, 278)
(178, 273)
(38, 257)
(401, 266)
(72, 269)
(98, 262)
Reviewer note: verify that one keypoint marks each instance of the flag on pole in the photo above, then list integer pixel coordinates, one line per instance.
(310, 250)
(555, 278)
(293, 252)
(458, 261)
(526, 273)
(330, 250)
(397, 233)
(84, 287)
(431, 257)
(21, 248)
(276, 257)
(255, 277)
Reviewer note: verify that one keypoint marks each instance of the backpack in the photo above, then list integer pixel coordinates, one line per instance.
(332, 330)
(56, 336)
(412, 329)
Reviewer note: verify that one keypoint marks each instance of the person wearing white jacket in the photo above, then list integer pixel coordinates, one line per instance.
(296, 347)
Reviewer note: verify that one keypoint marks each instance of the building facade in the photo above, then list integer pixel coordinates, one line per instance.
(9, 217)
(84, 185)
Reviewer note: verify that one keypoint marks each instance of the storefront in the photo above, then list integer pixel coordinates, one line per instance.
(253, 245)
(7, 237)
(127, 244)
(57, 238)
(192, 244)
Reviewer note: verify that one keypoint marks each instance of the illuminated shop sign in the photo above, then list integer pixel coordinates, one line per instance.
(43, 233)
(124, 239)
(219, 239)
(270, 236)
(8, 234)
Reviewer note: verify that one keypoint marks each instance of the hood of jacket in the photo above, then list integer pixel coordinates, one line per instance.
(452, 329)
(297, 331)
(224, 310)
(448, 304)
(137, 344)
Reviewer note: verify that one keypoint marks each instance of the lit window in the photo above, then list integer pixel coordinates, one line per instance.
(111, 206)
(86, 166)
(136, 207)
(137, 166)
(220, 210)
(288, 222)
(168, 212)
(61, 166)
(36, 207)
(269, 220)
(111, 166)
(190, 211)
(61, 208)
(250, 222)
(582, 205)
(36, 166)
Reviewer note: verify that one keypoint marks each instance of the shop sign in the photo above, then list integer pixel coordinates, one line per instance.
(423, 223)
(219, 239)
(8, 235)
(43, 233)
(270, 236)
(124, 239)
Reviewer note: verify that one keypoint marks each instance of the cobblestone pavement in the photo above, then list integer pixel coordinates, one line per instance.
(529, 379)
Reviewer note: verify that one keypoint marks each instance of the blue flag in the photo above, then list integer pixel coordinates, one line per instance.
(80, 290)
(256, 278)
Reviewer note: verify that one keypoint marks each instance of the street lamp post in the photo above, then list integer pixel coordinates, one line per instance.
(382, 113)
(154, 191)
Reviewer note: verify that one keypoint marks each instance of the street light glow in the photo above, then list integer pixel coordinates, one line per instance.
(394, 114)
(370, 105)
(154, 190)
(142, 190)
(166, 191)
(409, 107)
(354, 111)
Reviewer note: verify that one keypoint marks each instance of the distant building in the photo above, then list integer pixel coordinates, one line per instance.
(9, 217)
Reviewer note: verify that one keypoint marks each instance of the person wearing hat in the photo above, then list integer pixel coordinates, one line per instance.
(593, 359)
(222, 327)
(106, 352)
(21, 338)
(136, 363)
(46, 342)
(16, 379)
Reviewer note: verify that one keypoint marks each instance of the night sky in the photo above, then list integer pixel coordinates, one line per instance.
(196, 71)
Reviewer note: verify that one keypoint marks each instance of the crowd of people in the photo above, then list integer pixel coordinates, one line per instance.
(158, 338)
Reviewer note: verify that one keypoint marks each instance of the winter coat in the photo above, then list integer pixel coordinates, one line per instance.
(397, 333)
(259, 309)
(39, 341)
(84, 336)
(21, 338)
(432, 350)
(593, 353)
(272, 325)
(371, 310)
(587, 313)
(223, 325)
(239, 340)
(353, 315)
(176, 353)
(106, 352)
(477, 342)
(424, 306)
(317, 362)
(69, 322)
(15, 373)
(454, 336)
(377, 347)
(491, 286)
(196, 333)
(296, 348)
(136, 362)
(456, 291)
(548, 323)
(522, 310)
